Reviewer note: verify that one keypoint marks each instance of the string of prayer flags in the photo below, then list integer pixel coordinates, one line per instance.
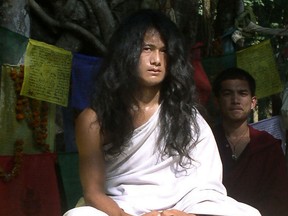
(259, 61)
(47, 73)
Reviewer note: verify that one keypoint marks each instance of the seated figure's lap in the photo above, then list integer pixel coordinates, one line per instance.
(84, 211)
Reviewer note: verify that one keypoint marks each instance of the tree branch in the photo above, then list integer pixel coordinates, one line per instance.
(105, 18)
(252, 28)
(68, 26)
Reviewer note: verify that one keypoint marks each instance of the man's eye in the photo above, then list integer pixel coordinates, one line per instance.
(225, 93)
(146, 48)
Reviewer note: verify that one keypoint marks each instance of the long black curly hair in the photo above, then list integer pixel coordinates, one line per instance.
(117, 81)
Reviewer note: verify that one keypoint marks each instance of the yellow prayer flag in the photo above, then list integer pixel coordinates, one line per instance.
(259, 61)
(47, 73)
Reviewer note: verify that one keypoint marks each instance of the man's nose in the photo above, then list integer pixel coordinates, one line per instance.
(155, 58)
(235, 98)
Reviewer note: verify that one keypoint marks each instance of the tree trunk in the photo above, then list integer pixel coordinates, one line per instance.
(15, 16)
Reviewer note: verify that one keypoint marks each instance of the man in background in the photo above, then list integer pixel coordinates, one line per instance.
(254, 166)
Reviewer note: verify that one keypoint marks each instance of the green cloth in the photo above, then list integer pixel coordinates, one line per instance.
(12, 46)
(214, 65)
(69, 177)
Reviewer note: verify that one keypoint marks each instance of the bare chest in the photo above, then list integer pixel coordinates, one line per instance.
(141, 116)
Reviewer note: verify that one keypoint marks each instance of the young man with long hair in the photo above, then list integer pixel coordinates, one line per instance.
(144, 149)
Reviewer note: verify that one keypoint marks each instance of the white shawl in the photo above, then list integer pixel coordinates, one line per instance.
(139, 180)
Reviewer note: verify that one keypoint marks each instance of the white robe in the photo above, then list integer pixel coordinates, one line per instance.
(140, 180)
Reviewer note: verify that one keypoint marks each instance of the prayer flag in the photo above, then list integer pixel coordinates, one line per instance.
(34, 191)
(69, 175)
(47, 73)
(214, 65)
(202, 82)
(259, 61)
(84, 69)
(12, 46)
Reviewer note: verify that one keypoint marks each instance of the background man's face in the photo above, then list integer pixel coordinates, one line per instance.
(235, 100)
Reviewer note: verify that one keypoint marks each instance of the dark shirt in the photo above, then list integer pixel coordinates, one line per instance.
(259, 176)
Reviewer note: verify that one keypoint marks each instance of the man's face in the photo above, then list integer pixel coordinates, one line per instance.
(152, 62)
(235, 100)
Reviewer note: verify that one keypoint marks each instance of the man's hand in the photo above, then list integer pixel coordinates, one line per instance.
(153, 213)
(170, 212)
(174, 212)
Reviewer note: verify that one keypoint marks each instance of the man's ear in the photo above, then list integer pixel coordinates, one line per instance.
(253, 102)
